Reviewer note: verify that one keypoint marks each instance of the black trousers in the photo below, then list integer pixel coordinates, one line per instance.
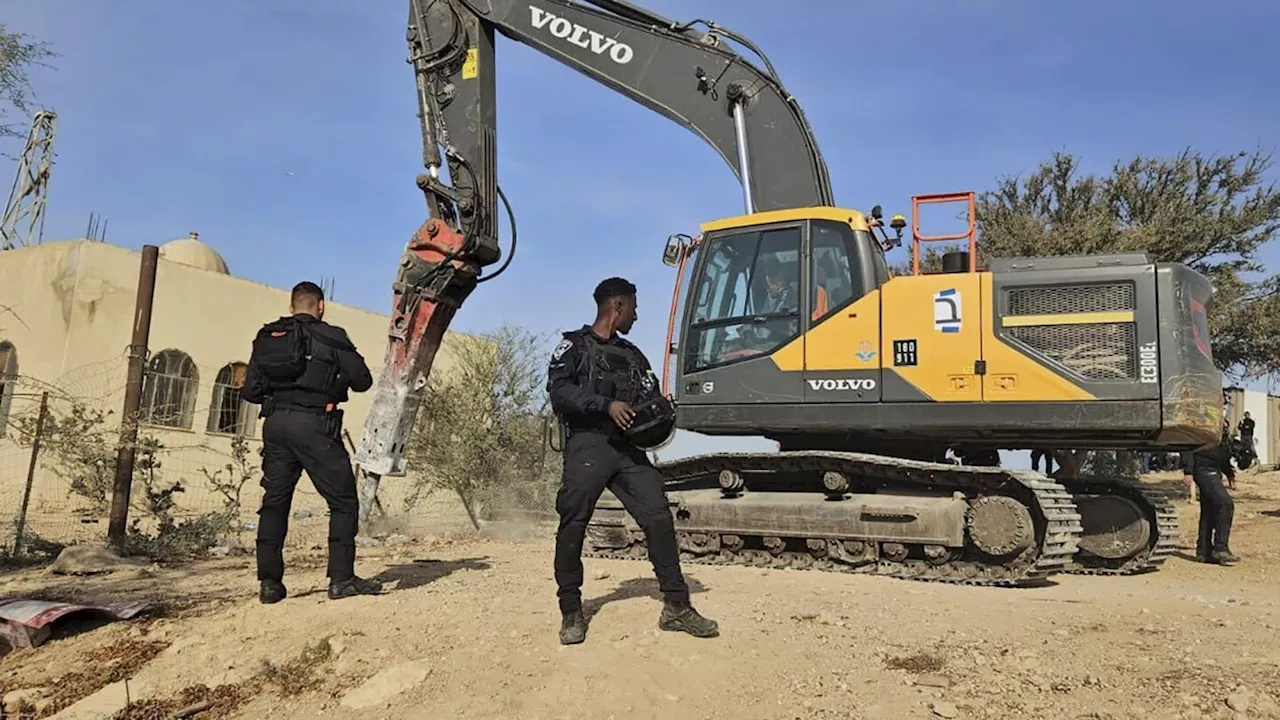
(593, 462)
(1217, 510)
(1048, 461)
(294, 441)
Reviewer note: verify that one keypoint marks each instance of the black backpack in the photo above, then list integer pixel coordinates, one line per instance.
(282, 350)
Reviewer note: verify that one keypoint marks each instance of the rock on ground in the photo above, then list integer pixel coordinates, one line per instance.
(386, 684)
(91, 560)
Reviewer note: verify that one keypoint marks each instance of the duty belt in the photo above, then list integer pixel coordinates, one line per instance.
(306, 409)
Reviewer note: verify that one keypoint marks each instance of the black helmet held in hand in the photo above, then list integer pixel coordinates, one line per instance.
(654, 425)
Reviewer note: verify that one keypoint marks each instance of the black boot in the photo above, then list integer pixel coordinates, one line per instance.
(682, 616)
(573, 628)
(353, 586)
(1223, 557)
(271, 591)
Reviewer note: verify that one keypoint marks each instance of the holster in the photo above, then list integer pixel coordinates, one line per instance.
(333, 424)
(563, 432)
(268, 406)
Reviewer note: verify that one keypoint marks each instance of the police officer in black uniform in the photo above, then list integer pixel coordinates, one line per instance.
(1217, 509)
(1246, 428)
(597, 382)
(300, 369)
(1247, 445)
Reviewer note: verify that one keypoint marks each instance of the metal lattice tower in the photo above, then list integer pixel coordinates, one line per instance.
(22, 224)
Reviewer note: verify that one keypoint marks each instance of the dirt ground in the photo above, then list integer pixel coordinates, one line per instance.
(468, 630)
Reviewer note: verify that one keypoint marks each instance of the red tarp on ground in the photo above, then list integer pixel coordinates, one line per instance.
(27, 623)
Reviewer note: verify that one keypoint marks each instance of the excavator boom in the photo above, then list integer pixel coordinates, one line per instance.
(687, 75)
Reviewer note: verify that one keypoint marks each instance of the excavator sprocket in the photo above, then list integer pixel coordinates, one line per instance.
(853, 512)
(1128, 527)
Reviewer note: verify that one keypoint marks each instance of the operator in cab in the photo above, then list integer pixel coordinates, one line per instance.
(300, 370)
(610, 406)
(780, 290)
(1217, 510)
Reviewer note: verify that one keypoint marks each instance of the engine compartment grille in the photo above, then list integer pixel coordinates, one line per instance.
(1071, 299)
(1101, 352)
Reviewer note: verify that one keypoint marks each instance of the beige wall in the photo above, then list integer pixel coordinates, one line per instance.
(73, 306)
(76, 303)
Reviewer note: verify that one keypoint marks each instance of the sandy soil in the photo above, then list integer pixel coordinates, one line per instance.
(468, 630)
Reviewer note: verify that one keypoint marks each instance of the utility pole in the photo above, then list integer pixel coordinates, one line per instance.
(22, 223)
(127, 450)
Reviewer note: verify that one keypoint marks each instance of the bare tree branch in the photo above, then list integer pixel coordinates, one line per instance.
(18, 53)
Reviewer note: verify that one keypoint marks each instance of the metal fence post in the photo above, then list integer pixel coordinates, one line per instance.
(31, 474)
(119, 516)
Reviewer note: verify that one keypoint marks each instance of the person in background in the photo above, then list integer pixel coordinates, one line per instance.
(1245, 428)
(1224, 457)
(1203, 467)
(1048, 461)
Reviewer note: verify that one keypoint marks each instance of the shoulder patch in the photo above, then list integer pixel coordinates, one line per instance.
(561, 349)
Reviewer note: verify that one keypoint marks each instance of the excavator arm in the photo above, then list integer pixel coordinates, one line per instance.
(685, 74)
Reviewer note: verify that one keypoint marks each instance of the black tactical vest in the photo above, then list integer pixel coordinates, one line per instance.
(617, 371)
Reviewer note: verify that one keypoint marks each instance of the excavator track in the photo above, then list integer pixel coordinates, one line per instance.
(925, 521)
(1128, 527)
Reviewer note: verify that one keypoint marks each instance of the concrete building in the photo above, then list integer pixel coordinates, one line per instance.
(1264, 408)
(71, 308)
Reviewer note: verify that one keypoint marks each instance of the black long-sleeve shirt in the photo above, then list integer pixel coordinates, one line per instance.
(1246, 427)
(568, 382)
(353, 372)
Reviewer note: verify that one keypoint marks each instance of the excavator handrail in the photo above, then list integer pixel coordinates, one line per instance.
(970, 233)
(674, 316)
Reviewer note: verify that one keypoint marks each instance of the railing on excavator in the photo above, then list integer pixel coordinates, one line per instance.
(970, 233)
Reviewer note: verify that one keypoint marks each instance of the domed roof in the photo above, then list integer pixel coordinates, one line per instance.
(190, 251)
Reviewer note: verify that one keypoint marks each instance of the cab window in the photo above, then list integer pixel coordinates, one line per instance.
(747, 302)
(835, 282)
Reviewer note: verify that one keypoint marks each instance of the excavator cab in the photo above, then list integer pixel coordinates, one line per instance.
(751, 287)
(784, 321)
(787, 324)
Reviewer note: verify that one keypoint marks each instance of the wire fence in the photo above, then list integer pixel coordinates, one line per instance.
(196, 484)
(198, 460)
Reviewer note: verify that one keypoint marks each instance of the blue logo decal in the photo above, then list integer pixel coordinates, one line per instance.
(946, 310)
(865, 353)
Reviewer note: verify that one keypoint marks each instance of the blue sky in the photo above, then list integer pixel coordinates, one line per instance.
(285, 131)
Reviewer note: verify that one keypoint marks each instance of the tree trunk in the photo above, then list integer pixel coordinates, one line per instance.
(471, 513)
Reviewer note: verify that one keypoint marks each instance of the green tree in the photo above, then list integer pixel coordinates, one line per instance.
(481, 428)
(1212, 213)
(18, 53)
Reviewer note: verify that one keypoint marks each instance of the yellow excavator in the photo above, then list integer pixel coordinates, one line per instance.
(786, 323)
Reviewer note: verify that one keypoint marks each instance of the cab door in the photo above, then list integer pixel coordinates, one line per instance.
(842, 344)
(743, 336)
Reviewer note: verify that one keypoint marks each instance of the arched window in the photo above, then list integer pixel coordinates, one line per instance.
(8, 380)
(228, 413)
(169, 390)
